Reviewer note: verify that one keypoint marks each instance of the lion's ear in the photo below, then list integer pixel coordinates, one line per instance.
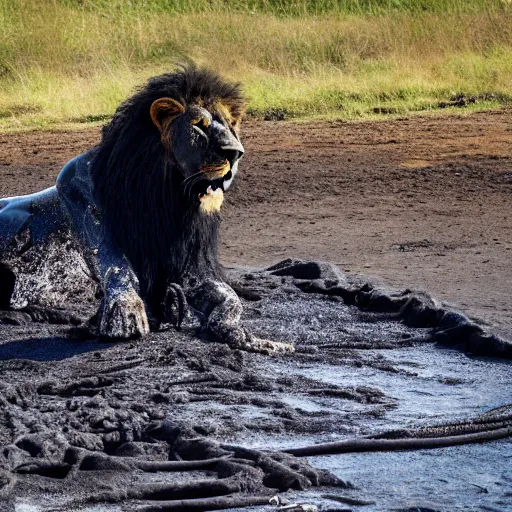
(164, 110)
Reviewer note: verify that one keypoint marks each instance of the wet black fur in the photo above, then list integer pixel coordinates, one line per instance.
(138, 187)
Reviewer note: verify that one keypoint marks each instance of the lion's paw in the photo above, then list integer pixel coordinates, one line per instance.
(123, 315)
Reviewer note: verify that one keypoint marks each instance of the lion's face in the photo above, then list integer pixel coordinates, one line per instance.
(204, 143)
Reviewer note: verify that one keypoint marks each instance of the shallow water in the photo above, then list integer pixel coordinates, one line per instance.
(471, 477)
(433, 384)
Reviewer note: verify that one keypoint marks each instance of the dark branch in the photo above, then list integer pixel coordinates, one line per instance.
(199, 505)
(384, 445)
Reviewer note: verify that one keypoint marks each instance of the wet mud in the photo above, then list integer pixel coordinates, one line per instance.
(173, 422)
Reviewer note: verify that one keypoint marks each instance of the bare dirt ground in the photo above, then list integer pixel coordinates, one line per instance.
(420, 202)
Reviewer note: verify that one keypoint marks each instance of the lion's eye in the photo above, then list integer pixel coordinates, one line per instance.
(202, 123)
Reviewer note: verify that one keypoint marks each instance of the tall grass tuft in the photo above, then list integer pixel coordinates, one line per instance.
(75, 60)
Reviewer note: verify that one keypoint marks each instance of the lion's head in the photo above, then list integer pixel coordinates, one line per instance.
(161, 169)
(203, 140)
(195, 120)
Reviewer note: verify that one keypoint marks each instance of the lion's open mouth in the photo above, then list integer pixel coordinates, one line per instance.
(207, 187)
(211, 191)
(210, 179)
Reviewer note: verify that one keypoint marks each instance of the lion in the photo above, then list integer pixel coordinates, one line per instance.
(144, 206)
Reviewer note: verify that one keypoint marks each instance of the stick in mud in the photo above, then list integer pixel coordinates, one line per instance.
(382, 445)
(199, 505)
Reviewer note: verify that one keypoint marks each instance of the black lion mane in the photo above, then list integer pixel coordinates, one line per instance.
(137, 186)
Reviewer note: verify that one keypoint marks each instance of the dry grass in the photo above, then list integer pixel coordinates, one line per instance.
(65, 60)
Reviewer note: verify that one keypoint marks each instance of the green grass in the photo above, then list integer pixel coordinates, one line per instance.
(74, 61)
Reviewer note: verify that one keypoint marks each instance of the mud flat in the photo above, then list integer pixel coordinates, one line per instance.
(86, 425)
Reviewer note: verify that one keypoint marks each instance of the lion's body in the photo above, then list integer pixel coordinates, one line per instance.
(123, 203)
(143, 207)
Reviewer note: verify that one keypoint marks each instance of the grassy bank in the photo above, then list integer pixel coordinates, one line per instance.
(73, 61)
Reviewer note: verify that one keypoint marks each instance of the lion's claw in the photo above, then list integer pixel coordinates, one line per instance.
(174, 306)
(255, 344)
(240, 338)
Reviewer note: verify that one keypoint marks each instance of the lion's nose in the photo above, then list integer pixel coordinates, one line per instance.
(232, 151)
(231, 155)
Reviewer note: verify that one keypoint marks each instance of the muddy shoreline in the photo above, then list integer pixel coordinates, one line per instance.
(418, 203)
(83, 421)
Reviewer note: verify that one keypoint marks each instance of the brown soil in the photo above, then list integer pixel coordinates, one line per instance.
(422, 202)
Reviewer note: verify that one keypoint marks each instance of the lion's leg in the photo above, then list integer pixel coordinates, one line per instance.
(7, 282)
(14, 218)
(25, 222)
(122, 312)
(9, 226)
(29, 220)
(221, 310)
